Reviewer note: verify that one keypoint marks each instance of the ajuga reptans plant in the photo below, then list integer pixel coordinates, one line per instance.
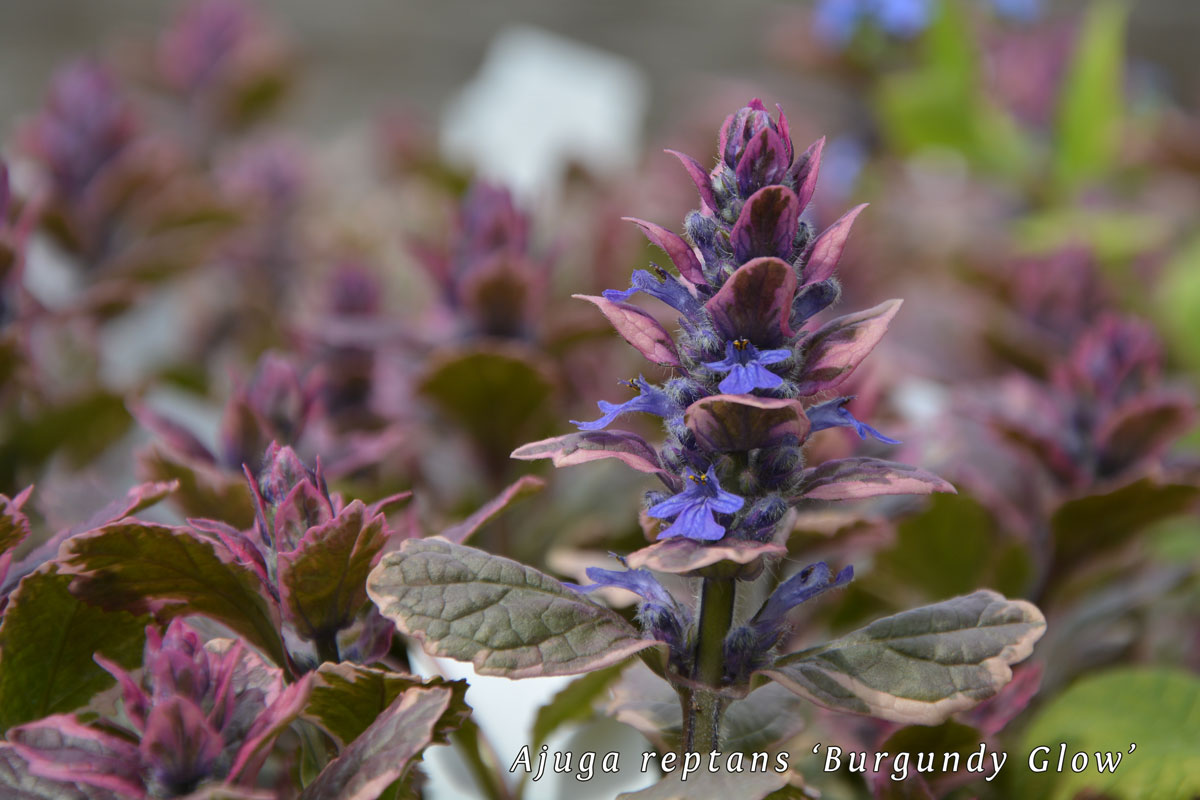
(750, 377)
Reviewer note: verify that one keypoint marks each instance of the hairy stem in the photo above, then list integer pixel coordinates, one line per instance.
(703, 710)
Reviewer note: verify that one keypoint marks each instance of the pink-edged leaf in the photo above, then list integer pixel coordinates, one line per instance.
(524, 486)
(385, 750)
(322, 583)
(805, 170)
(837, 347)
(585, 446)
(680, 555)
(638, 328)
(764, 162)
(173, 434)
(142, 567)
(1142, 428)
(504, 617)
(139, 497)
(256, 745)
(767, 224)
(857, 478)
(17, 782)
(952, 655)
(699, 176)
(674, 245)
(47, 641)
(756, 302)
(827, 249)
(346, 698)
(244, 549)
(60, 748)
(740, 422)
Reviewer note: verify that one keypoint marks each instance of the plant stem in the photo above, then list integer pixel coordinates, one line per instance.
(327, 648)
(702, 710)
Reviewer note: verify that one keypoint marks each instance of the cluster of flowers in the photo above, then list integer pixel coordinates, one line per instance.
(752, 373)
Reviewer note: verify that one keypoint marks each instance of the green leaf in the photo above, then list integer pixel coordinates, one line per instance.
(1178, 297)
(1091, 525)
(385, 749)
(204, 490)
(1156, 709)
(46, 644)
(346, 698)
(574, 702)
(143, 567)
(1090, 112)
(322, 584)
(506, 618)
(952, 548)
(14, 525)
(918, 666)
(499, 395)
(524, 486)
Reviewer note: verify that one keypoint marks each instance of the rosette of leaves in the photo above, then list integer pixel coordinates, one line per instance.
(203, 719)
(751, 376)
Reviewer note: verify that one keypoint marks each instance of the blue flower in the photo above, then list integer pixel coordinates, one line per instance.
(659, 614)
(837, 20)
(806, 584)
(834, 414)
(650, 400)
(693, 509)
(1018, 10)
(744, 363)
(669, 290)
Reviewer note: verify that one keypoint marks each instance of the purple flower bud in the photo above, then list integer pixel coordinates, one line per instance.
(200, 46)
(659, 614)
(834, 414)
(200, 713)
(85, 125)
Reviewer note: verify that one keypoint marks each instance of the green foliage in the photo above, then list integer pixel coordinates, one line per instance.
(142, 567)
(386, 749)
(506, 618)
(500, 396)
(1090, 111)
(574, 702)
(46, 644)
(1156, 709)
(921, 665)
(346, 698)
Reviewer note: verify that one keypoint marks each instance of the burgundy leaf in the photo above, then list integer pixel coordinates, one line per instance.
(827, 249)
(639, 329)
(756, 302)
(579, 448)
(764, 162)
(699, 176)
(524, 486)
(767, 224)
(856, 478)
(744, 422)
(837, 347)
(805, 169)
(680, 252)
